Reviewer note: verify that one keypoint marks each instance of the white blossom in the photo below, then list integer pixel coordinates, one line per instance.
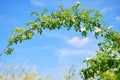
(113, 53)
(87, 58)
(110, 27)
(83, 29)
(73, 20)
(77, 3)
(31, 27)
(90, 79)
(97, 29)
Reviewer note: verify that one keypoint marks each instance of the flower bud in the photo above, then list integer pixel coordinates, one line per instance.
(87, 58)
(109, 27)
(83, 29)
(97, 29)
(77, 3)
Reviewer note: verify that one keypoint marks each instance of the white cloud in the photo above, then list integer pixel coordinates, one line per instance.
(117, 18)
(76, 41)
(55, 34)
(37, 3)
(53, 3)
(106, 9)
(66, 52)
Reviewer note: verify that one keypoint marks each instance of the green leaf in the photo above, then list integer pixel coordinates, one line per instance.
(61, 7)
(9, 51)
(28, 23)
(84, 33)
(44, 11)
(34, 12)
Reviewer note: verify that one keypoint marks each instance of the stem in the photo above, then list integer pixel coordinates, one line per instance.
(3, 51)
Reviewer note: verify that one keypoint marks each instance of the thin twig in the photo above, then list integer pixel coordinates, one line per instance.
(3, 51)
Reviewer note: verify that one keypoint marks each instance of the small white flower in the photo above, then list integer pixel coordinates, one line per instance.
(31, 27)
(112, 74)
(87, 58)
(73, 20)
(111, 46)
(77, 3)
(35, 23)
(113, 53)
(83, 29)
(97, 29)
(110, 27)
(90, 79)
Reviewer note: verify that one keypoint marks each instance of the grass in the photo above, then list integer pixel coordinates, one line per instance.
(21, 72)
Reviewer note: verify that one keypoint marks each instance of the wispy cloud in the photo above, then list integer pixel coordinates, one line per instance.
(106, 9)
(55, 35)
(53, 3)
(37, 3)
(117, 18)
(67, 52)
(76, 41)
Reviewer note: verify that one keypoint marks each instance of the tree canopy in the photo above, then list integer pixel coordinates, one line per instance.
(106, 62)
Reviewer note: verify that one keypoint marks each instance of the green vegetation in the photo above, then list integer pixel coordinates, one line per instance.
(106, 64)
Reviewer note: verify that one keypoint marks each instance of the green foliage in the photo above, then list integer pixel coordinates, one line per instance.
(101, 65)
(72, 18)
(9, 51)
(106, 64)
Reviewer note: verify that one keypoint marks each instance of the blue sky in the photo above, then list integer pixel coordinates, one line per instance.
(54, 50)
